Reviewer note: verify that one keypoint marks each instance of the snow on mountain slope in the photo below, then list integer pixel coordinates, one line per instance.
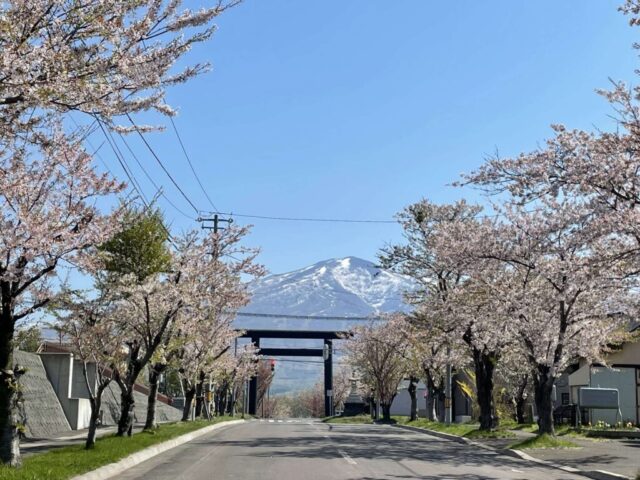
(338, 287)
(344, 287)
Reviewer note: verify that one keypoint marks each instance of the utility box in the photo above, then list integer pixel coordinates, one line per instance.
(599, 398)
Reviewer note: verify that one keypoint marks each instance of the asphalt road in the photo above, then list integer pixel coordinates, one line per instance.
(307, 450)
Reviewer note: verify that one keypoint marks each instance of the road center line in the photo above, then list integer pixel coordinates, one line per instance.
(347, 457)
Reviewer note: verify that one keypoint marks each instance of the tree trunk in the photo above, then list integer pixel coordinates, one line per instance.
(484, 364)
(9, 432)
(154, 376)
(91, 435)
(431, 397)
(386, 412)
(543, 389)
(414, 400)
(93, 422)
(188, 400)
(521, 400)
(127, 400)
(200, 394)
(127, 406)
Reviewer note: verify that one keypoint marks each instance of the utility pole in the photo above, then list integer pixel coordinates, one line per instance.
(448, 414)
(216, 220)
(233, 389)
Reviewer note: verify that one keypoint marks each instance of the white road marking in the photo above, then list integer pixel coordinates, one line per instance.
(279, 421)
(347, 457)
(271, 421)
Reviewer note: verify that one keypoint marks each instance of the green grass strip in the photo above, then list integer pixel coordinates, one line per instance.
(468, 430)
(66, 462)
(543, 441)
(359, 419)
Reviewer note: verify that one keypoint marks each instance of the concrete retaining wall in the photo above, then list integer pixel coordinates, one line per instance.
(43, 413)
(56, 397)
(111, 407)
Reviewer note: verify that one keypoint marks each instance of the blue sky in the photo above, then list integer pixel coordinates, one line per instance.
(354, 109)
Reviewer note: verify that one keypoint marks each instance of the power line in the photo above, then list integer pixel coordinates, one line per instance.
(144, 140)
(302, 219)
(159, 189)
(122, 162)
(186, 155)
(311, 317)
(314, 362)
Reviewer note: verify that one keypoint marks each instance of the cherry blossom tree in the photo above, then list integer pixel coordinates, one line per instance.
(187, 310)
(379, 353)
(48, 217)
(222, 264)
(514, 374)
(231, 372)
(430, 351)
(103, 58)
(451, 303)
(96, 340)
(564, 296)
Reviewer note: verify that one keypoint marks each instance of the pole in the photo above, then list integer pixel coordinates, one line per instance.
(253, 386)
(233, 382)
(216, 221)
(447, 392)
(328, 377)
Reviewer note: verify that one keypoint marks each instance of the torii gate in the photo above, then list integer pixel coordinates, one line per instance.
(326, 353)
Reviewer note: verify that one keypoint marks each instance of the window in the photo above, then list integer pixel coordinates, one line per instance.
(565, 399)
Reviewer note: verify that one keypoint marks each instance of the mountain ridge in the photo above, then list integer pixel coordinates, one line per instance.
(335, 288)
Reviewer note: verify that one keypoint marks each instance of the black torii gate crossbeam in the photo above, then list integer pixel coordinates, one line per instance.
(326, 353)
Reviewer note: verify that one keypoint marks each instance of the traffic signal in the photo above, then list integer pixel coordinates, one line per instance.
(273, 365)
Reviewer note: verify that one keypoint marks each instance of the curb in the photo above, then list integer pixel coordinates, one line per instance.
(594, 474)
(113, 469)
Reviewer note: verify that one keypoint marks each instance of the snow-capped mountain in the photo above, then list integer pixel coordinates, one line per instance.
(344, 287)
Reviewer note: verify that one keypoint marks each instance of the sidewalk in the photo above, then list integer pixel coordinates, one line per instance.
(597, 458)
(619, 456)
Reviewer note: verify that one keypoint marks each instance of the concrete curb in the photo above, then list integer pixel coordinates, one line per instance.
(595, 474)
(113, 469)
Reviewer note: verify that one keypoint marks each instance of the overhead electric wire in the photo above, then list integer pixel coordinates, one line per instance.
(315, 362)
(193, 170)
(122, 162)
(302, 219)
(157, 158)
(95, 150)
(332, 220)
(311, 317)
(159, 189)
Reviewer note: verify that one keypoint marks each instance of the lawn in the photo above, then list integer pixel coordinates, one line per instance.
(66, 462)
(360, 419)
(468, 430)
(543, 441)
